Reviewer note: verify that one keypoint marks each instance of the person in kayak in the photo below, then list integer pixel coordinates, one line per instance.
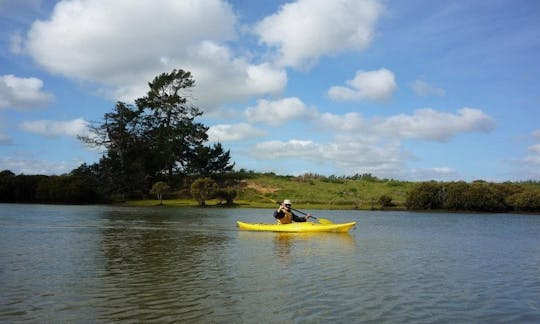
(284, 214)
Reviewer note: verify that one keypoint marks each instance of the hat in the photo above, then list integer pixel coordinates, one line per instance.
(286, 202)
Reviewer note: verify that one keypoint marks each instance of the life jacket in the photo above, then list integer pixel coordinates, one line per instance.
(287, 219)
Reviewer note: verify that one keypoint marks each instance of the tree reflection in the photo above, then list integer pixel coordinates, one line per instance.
(155, 265)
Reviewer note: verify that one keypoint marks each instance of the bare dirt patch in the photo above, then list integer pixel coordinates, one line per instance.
(259, 188)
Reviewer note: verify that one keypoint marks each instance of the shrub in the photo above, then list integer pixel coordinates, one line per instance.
(385, 201)
(528, 200)
(203, 189)
(158, 189)
(425, 195)
(227, 194)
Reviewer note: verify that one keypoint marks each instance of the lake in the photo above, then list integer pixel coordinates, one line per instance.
(123, 264)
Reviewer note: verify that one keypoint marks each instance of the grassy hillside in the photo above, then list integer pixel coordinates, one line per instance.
(365, 192)
(327, 193)
(262, 190)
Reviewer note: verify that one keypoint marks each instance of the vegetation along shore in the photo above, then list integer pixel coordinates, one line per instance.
(311, 191)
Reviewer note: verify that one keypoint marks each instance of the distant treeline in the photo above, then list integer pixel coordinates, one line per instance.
(71, 189)
(81, 186)
(478, 196)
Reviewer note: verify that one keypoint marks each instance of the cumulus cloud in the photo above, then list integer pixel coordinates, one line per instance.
(424, 89)
(349, 122)
(54, 128)
(305, 30)
(277, 112)
(347, 154)
(429, 124)
(236, 132)
(375, 144)
(424, 124)
(121, 45)
(22, 93)
(375, 85)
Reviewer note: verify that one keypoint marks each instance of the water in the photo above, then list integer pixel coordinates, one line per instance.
(118, 264)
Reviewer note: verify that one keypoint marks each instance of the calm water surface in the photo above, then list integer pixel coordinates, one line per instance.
(118, 264)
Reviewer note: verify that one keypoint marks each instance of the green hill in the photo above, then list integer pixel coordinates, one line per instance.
(322, 192)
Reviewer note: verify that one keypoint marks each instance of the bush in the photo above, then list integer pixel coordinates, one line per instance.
(528, 200)
(227, 194)
(159, 188)
(203, 189)
(455, 195)
(385, 201)
(484, 197)
(425, 195)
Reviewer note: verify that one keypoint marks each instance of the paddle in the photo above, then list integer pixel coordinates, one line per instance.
(320, 220)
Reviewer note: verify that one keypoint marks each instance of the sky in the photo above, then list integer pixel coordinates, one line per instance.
(410, 90)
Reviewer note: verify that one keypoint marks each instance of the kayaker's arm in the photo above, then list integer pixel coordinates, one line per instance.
(278, 213)
(300, 219)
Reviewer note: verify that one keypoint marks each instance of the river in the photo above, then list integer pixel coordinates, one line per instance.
(189, 265)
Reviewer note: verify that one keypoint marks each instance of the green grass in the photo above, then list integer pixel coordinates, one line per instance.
(324, 194)
(261, 191)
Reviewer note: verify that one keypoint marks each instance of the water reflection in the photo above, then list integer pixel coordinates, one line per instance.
(158, 267)
(291, 245)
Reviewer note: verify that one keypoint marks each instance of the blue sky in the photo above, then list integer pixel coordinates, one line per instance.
(410, 90)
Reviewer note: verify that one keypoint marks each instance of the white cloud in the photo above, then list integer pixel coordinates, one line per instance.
(236, 132)
(425, 124)
(375, 85)
(289, 149)
(53, 128)
(121, 45)
(22, 93)
(305, 30)
(429, 124)
(425, 89)
(276, 112)
(25, 165)
(349, 155)
(536, 133)
(350, 122)
(374, 145)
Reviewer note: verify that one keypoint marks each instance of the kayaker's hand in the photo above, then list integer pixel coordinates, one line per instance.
(308, 216)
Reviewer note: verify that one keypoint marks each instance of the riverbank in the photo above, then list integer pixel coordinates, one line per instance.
(245, 204)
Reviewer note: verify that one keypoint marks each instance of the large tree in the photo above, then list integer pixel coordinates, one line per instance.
(155, 140)
(168, 123)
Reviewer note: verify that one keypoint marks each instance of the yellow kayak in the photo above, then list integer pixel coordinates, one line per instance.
(297, 227)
